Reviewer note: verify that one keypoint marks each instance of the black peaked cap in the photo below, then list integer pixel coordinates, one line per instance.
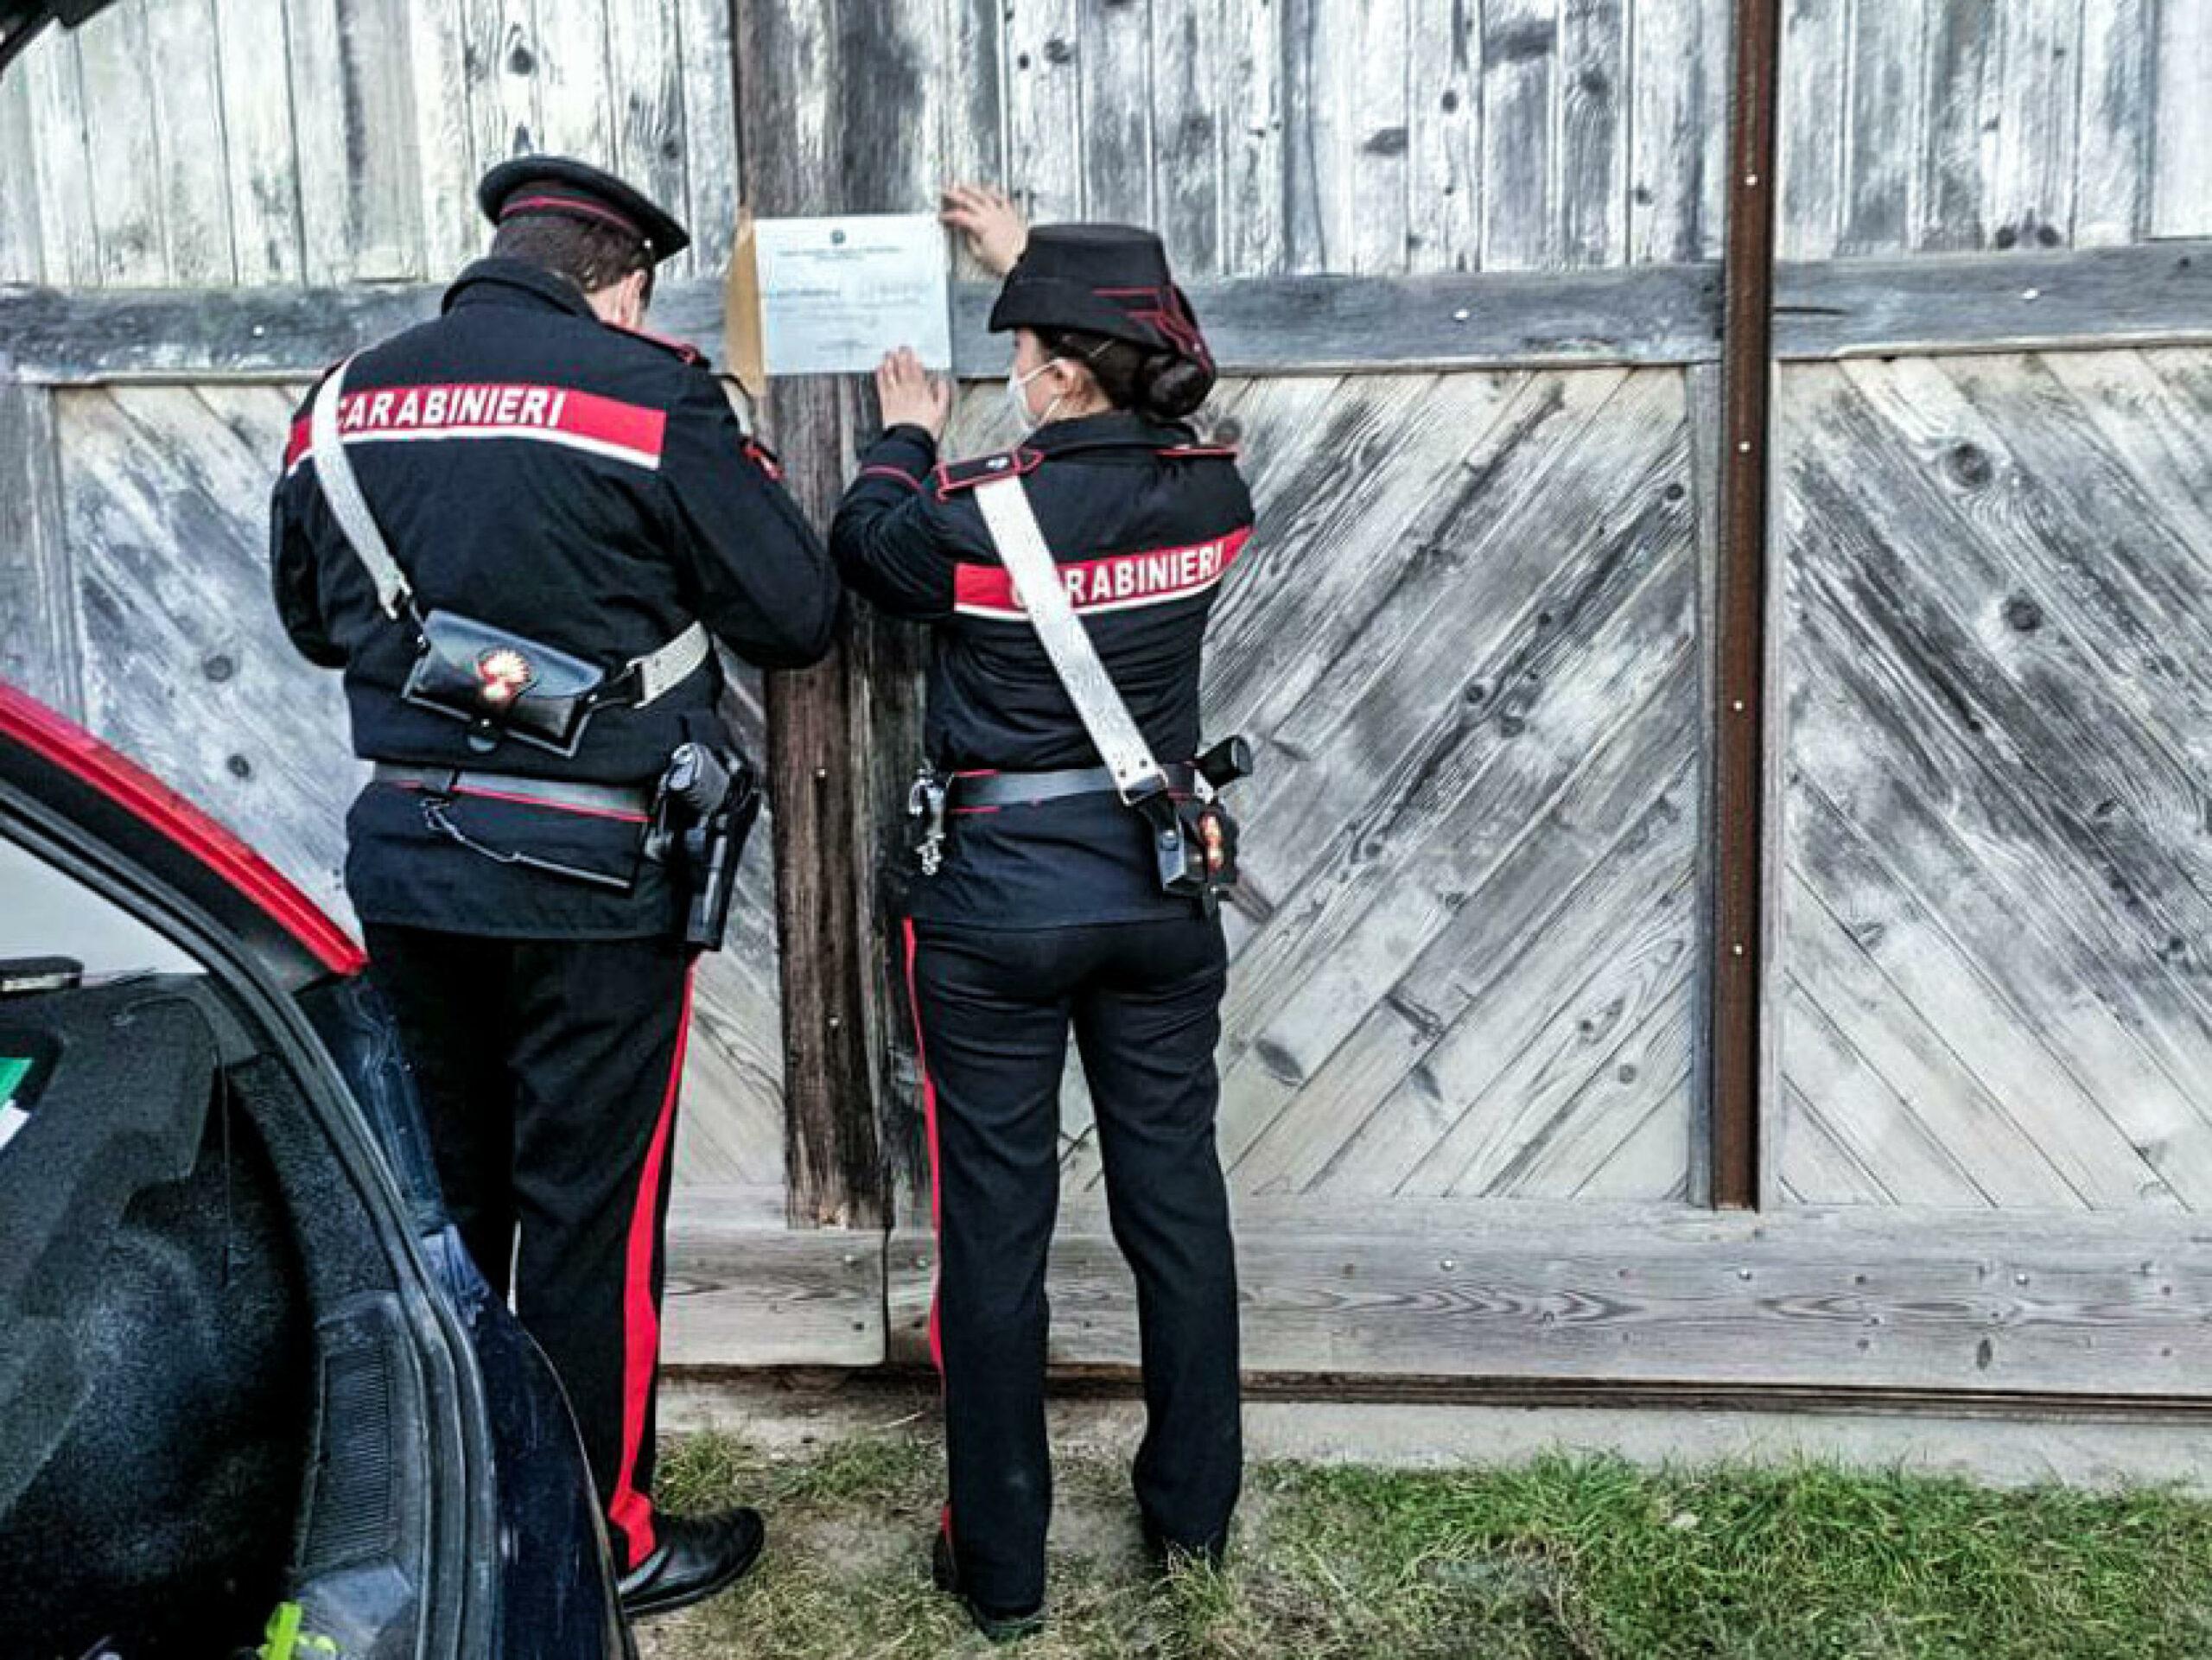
(1101, 279)
(555, 184)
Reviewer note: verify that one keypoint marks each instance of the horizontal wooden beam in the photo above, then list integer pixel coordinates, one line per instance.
(2155, 294)
(773, 1296)
(2104, 1306)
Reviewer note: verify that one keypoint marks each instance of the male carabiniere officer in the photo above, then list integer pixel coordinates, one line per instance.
(562, 500)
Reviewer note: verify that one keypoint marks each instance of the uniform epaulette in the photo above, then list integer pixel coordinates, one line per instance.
(765, 458)
(683, 350)
(1202, 452)
(954, 476)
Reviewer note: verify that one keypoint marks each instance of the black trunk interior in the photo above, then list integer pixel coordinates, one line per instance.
(178, 1250)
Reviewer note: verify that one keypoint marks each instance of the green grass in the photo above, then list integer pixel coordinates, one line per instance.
(1564, 1559)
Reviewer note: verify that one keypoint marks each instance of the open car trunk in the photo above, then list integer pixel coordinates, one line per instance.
(245, 1368)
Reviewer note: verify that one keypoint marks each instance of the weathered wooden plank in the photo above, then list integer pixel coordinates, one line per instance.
(1961, 109)
(2180, 200)
(575, 95)
(2032, 182)
(972, 145)
(184, 663)
(453, 229)
(2106, 296)
(124, 179)
(1311, 191)
(1814, 132)
(1045, 133)
(708, 133)
(1254, 184)
(353, 123)
(1831, 1300)
(1677, 92)
(805, 147)
(258, 141)
(1593, 162)
(740, 1293)
(1624, 1128)
(1358, 492)
(1376, 117)
(1520, 159)
(1906, 1045)
(1998, 1052)
(38, 648)
(22, 256)
(1445, 163)
(1302, 1090)
(1310, 325)
(1984, 741)
(68, 239)
(2148, 296)
(1888, 126)
(500, 63)
(1869, 1117)
(1590, 638)
(190, 143)
(2117, 124)
(1114, 53)
(1187, 146)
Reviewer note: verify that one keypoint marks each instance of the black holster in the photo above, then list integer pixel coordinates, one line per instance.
(703, 812)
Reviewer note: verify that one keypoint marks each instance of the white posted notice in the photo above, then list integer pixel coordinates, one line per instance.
(836, 294)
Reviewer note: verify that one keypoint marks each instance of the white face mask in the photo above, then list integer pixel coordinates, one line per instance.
(1017, 394)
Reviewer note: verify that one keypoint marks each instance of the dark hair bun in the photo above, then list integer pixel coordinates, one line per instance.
(1170, 386)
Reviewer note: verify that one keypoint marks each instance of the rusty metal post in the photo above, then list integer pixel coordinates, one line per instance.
(1739, 719)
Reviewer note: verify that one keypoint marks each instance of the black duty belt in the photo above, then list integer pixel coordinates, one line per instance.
(634, 801)
(1027, 789)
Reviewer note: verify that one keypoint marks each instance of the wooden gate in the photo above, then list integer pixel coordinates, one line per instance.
(1490, 1052)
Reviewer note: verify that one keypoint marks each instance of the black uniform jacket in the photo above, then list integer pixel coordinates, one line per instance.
(1146, 523)
(586, 488)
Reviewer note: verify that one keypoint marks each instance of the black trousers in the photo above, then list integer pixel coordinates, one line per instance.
(549, 1073)
(995, 1009)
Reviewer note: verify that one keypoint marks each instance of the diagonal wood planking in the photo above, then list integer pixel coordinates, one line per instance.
(1997, 675)
(184, 666)
(1464, 954)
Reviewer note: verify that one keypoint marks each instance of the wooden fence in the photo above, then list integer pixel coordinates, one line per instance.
(1462, 264)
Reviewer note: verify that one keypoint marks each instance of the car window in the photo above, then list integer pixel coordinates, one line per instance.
(48, 913)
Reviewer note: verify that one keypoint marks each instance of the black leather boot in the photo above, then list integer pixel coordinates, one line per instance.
(997, 1624)
(697, 1556)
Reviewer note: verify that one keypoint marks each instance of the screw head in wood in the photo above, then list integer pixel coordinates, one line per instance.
(1737, 949)
(1743, 446)
(1750, 181)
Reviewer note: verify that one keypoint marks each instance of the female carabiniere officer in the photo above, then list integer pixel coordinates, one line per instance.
(1046, 910)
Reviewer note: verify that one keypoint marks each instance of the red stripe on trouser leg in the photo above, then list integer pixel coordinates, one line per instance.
(936, 1187)
(929, 1121)
(628, 1508)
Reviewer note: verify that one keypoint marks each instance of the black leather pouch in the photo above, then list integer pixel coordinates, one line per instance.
(495, 679)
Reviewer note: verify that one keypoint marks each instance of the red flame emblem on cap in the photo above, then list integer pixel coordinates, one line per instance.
(506, 673)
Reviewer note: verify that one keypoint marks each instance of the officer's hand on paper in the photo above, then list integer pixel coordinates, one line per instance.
(995, 230)
(910, 395)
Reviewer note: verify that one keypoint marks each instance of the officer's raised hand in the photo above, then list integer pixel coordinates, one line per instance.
(910, 396)
(995, 230)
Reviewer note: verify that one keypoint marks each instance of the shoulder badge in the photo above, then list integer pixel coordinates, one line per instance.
(952, 477)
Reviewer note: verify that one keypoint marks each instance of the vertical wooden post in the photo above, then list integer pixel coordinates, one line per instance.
(1738, 774)
(788, 115)
(38, 638)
